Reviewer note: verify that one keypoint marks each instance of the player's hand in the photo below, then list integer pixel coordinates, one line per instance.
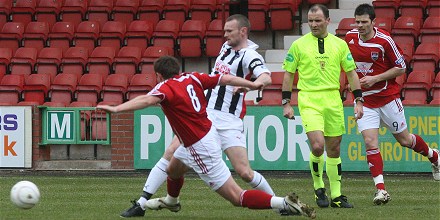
(240, 90)
(367, 81)
(358, 110)
(288, 112)
(106, 108)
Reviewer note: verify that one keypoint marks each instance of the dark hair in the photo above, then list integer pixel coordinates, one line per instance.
(316, 7)
(365, 9)
(242, 21)
(167, 66)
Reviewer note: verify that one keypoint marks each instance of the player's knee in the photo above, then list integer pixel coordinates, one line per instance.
(246, 173)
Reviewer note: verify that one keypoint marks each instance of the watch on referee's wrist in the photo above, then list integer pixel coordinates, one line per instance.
(359, 99)
(285, 101)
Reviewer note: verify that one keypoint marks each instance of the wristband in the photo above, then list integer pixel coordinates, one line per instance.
(357, 93)
(286, 94)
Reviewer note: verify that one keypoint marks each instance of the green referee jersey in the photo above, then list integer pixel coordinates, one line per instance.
(318, 63)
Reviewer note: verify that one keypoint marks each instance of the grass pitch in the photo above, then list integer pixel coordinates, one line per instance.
(105, 195)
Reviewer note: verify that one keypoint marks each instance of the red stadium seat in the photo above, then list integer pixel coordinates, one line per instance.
(23, 61)
(5, 58)
(414, 8)
(385, 24)
(417, 86)
(5, 9)
(36, 88)
(100, 61)
(386, 8)
(86, 35)
(11, 87)
(114, 89)
(426, 57)
(99, 11)
(257, 13)
(151, 10)
(48, 11)
(345, 25)
(89, 88)
(125, 11)
(407, 29)
(150, 55)
(35, 35)
(165, 34)
(23, 11)
(191, 38)
(73, 11)
(61, 35)
(203, 10)
(214, 38)
(112, 35)
(282, 14)
(401, 79)
(435, 90)
(74, 61)
(433, 8)
(63, 88)
(176, 10)
(430, 31)
(127, 60)
(11, 35)
(140, 84)
(222, 8)
(48, 61)
(55, 104)
(139, 34)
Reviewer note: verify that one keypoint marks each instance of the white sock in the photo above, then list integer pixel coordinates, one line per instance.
(378, 179)
(277, 203)
(171, 200)
(260, 183)
(158, 175)
(142, 201)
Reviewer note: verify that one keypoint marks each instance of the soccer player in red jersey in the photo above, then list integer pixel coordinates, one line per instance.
(379, 61)
(183, 102)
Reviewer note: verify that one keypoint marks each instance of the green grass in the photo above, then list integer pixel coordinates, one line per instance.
(105, 196)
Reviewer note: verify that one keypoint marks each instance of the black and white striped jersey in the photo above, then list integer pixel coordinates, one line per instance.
(245, 63)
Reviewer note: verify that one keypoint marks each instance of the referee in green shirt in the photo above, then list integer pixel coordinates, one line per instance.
(318, 57)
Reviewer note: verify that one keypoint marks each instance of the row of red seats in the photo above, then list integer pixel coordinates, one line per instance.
(406, 29)
(76, 60)
(68, 89)
(415, 8)
(192, 39)
(280, 12)
(419, 88)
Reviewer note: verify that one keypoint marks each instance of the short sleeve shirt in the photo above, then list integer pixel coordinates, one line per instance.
(184, 104)
(318, 64)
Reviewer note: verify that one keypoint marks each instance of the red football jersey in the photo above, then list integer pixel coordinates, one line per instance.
(184, 104)
(374, 57)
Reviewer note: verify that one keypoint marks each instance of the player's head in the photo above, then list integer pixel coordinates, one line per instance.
(236, 29)
(166, 67)
(318, 19)
(365, 20)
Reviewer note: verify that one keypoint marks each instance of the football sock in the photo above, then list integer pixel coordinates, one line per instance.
(174, 186)
(260, 183)
(157, 177)
(142, 201)
(255, 199)
(420, 146)
(375, 163)
(333, 169)
(317, 168)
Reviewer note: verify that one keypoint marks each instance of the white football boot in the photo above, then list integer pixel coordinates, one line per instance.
(381, 197)
(159, 203)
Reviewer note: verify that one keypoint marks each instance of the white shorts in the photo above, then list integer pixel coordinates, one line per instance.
(229, 127)
(205, 158)
(390, 115)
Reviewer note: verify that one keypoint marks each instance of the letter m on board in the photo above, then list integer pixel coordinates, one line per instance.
(61, 125)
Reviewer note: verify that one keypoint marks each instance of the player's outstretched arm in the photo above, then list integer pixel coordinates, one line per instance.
(139, 102)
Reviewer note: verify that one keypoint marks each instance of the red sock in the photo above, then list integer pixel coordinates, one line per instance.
(174, 186)
(420, 146)
(375, 162)
(255, 199)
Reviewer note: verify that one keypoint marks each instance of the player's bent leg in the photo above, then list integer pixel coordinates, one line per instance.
(240, 162)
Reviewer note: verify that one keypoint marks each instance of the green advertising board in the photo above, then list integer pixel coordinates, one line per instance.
(276, 143)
